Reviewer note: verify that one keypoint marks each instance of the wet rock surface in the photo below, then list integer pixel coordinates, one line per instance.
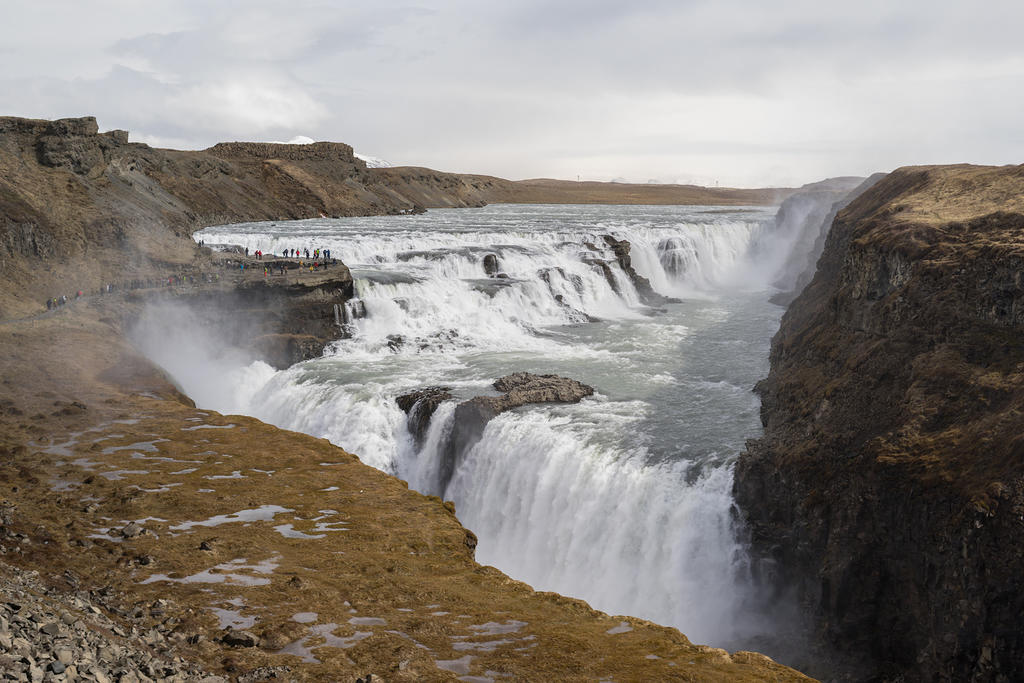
(518, 389)
(621, 248)
(887, 487)
(491, 265)
(471, 416)
(420, 406)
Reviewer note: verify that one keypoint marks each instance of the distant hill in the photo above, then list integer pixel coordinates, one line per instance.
(551, 191)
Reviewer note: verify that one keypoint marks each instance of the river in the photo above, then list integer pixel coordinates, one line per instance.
(623, 500)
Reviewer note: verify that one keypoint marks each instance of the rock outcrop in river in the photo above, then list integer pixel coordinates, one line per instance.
(420, 406)
(888, 484)
(472, 416)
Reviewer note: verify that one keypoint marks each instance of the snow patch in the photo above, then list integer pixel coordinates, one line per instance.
(374, 162)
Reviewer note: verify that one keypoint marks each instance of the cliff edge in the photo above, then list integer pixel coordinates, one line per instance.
(889, 484)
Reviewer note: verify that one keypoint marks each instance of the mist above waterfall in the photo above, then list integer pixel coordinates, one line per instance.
(624, 499)
(201, 354)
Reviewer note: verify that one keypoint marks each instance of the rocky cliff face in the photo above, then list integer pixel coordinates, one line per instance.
(80, 208)
(425, 187)
(280, 319)
(888, 485)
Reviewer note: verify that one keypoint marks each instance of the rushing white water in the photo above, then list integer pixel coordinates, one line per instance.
(624, 499)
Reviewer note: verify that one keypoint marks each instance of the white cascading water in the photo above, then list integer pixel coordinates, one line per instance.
(623, 500)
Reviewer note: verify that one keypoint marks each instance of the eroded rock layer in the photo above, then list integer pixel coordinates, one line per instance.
(889, 483)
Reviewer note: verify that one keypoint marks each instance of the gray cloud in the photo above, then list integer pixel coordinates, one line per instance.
(737, 91)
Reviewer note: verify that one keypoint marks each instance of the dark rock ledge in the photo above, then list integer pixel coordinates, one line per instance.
(472, 416)
(620, 249)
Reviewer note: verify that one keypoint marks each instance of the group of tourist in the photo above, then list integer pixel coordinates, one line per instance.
(316, 255)
(304, 253)
(58, 301)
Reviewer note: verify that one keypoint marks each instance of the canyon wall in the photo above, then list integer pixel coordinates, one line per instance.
(888, 486)
(80, 208)
(803, 221)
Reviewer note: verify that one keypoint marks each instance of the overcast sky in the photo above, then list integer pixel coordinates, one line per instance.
(742, 92)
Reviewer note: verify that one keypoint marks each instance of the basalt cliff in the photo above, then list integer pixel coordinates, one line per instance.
(888, 486)
(144, 539)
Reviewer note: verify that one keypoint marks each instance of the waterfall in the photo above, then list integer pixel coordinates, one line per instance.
(623, 500)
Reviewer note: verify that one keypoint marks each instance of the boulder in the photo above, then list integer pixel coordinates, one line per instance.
(420, 406)
(131, 530)
(518, 389)
(236, 638)
(491, 266)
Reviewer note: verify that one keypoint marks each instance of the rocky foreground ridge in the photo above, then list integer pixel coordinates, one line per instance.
(889, 484)
(175, 544)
